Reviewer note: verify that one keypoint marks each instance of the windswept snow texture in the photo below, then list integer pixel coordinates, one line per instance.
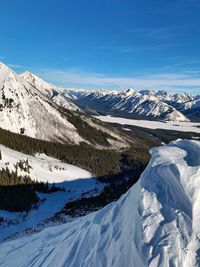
(156, 223)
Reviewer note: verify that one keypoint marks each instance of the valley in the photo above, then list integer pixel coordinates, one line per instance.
(190, 127)
(100, 133)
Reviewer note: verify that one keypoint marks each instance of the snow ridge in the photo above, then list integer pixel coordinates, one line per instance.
(156, 223)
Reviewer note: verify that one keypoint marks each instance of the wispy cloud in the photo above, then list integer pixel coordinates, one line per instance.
(74, 78)
(2, 58)
(17, 66)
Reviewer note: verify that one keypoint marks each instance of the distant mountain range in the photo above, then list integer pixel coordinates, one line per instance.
(147, 104)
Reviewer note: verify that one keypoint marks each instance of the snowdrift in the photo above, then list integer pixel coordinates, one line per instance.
(156, 223)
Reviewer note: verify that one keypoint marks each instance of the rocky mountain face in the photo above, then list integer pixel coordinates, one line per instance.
(56, 93)
(27, 107)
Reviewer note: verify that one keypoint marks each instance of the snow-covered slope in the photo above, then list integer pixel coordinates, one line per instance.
(24, 109)
(42, 168)
(57, 94)
(185, 103)
(142, 104)
(156, 223)
(46, 88)
(27, 108)
(63, 100)
(75, 180)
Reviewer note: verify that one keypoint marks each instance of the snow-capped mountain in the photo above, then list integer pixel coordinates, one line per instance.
(148, 104)
(187, 104)
(57, 94)
(156, 223)
(145, 104)
(26, 107)
(46, 88)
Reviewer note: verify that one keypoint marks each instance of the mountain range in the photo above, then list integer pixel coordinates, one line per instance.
(30, 106)
(144, 104)
(148, 104)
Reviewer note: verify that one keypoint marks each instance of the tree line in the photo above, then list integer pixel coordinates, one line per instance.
(19, 193)
(98, 161)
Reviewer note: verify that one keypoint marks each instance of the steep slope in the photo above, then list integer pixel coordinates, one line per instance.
(141, 104)
(187, 104)
(46, 88)
(57, 94)
(192, 108)
(28, 110)
(25, 110)
(156, 223)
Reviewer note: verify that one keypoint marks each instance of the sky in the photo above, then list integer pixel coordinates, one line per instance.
(111, 44)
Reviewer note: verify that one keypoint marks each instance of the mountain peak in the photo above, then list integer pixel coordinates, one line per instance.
(45, 88)
(130, 91)
(4, 73)
(27, 73)
(3, 66)
(5, 70)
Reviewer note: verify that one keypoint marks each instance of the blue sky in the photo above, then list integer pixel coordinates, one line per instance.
(104, 43)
